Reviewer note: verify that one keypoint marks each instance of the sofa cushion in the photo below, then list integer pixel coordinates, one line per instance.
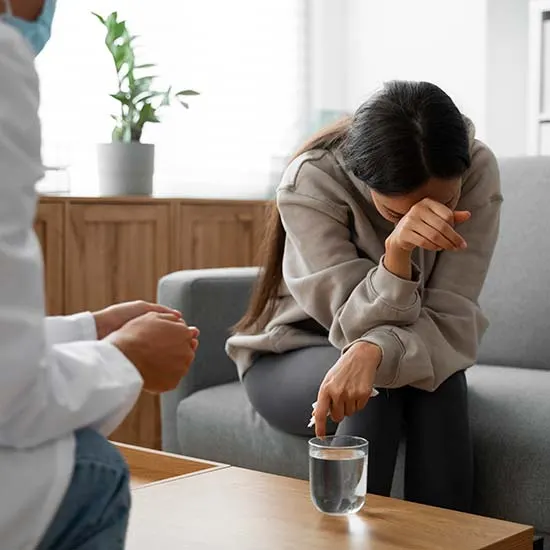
(510, 413)
(220, 424)
(515, 295)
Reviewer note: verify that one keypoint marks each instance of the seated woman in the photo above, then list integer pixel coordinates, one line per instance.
(379, 244)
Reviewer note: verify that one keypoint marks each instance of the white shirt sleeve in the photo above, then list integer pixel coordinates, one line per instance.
(46, 391)
(70, 328)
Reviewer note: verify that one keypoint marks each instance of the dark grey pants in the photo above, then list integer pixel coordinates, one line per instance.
(435, 425)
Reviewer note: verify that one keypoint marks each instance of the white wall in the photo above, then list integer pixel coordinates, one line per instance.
(506, 77)
(329, 54)
(441, 41)
(476, 50)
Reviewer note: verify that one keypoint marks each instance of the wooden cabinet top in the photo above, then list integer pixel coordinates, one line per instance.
(137, 199)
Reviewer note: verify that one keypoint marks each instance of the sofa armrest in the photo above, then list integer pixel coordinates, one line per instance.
(212, 300)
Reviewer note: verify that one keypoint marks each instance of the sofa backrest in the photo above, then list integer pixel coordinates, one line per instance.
(516, 296)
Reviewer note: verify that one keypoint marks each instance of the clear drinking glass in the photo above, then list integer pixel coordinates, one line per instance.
(338, 473)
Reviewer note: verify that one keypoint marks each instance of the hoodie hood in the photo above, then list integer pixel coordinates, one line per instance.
(471, 129)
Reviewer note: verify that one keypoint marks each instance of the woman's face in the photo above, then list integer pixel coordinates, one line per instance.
(445, 191)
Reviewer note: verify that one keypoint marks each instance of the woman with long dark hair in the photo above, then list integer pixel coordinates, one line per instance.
(379, 244)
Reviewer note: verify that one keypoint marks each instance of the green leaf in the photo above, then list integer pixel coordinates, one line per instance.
(187, 92)
(99, 17)
(117, 33)
(143, 82)
(122, 97)
(119, 29)
(141, 85)
(111, 23)
(122, 54)
(147, 114)
(147, 96)
(145, 66)
(112, 19)
(129, 73)
(183, 104)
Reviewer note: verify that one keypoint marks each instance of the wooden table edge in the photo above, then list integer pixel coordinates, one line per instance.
(520, 540)
(133, 454)
(156, 452)
(180, 477)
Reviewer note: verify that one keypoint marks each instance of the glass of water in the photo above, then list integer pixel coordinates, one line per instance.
(338, 473)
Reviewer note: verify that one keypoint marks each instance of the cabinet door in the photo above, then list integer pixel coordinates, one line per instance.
(219, 235)
(115, 253)
(49, 228)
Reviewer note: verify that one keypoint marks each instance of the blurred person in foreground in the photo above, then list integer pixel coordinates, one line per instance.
(65, 382)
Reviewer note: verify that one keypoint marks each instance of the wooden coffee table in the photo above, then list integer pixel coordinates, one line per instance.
(210, 506)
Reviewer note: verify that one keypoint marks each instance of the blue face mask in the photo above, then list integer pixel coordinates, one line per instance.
(36, 32)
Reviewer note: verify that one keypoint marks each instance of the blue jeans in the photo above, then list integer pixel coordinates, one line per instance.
(94, 512)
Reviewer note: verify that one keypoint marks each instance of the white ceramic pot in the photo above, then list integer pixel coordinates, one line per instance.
(125, 168)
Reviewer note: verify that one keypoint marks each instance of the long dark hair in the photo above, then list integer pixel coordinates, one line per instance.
(397, 140)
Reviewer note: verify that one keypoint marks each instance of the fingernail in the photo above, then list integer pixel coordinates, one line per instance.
(463, 245)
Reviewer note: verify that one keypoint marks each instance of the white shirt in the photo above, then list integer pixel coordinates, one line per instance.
(55, 377)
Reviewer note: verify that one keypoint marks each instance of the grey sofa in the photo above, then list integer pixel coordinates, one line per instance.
(209, 415)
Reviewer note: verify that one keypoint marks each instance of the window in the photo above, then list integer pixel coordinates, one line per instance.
(247, 58)
(539, 78)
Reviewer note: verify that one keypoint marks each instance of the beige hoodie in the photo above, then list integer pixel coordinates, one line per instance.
(336, 288)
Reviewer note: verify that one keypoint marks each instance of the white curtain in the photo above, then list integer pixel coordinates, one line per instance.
(247, 58)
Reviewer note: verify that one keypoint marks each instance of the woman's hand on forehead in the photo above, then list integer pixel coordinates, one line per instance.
(429, 225)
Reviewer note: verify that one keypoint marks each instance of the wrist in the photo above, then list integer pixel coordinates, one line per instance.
(124, 345)
(398, 260)
(395, 249)
(102, 326)
(368, 352)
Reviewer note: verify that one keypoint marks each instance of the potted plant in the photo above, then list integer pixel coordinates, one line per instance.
(126, 165)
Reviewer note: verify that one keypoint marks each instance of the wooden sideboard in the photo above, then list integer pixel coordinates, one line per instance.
(100, 251)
